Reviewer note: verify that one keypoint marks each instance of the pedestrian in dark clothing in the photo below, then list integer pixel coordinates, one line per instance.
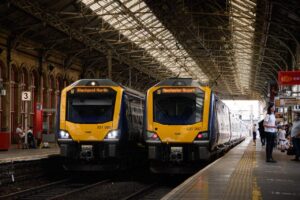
(262, 134)
(30, 138)
(270, 130)
(254, 134)
(295, 134)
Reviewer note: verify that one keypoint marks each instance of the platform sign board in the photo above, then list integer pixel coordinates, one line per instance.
(289, 77)
(49, 110)
(287, 102)
(26, 96)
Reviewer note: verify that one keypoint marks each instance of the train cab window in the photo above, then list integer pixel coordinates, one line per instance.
(87, 108)
(178, 108)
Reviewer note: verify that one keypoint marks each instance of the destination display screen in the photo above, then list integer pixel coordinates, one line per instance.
(91, 90)
(176, 90)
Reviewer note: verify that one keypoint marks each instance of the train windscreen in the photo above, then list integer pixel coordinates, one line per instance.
(178, 106)
(90, 108)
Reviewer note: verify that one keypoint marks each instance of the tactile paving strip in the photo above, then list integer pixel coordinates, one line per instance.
(242, 183)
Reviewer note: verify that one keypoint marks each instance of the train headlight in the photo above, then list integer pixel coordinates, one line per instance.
(64, 135)
(152, 137)
(202, 136)
(113, 135)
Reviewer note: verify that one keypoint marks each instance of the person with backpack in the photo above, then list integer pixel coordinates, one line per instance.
(262, 132)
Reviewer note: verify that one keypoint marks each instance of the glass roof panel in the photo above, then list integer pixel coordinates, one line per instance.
(242, 19)
(95, 6)
(130, 3)
(136, 16)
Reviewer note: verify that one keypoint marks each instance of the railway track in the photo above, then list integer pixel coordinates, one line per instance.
(15, 172)
(54, 190)
(156, 190)
(141, 192)
(126, 185)
(151, 192)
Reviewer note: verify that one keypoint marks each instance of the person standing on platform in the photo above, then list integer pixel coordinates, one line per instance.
(270, 131)
(281, 138)
(254, 134)
(30, 138)
(20, 135)
(262, 134)
(295, 134)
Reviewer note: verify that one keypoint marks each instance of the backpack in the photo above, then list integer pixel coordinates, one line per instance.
(261, 129)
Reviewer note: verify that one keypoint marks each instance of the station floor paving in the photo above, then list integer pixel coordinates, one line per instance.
(243, 173)
(15, 154)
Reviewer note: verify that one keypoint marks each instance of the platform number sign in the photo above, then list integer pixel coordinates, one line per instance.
(26, 96)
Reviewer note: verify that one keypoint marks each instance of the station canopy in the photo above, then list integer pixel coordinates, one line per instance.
(237, 47)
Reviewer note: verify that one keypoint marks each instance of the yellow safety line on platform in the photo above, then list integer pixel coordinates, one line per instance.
(242, 184)
(256, 193)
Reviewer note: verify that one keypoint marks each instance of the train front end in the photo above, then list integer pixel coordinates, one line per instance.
(88, 121)
(177, 125)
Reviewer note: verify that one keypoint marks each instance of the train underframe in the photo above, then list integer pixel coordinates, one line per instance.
(178, 157)
(101, 156)
(184, 158)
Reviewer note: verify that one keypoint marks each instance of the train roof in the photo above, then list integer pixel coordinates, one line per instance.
(178, 82)
(94, 82)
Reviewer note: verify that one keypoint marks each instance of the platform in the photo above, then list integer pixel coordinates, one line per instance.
(14, 154)
(243, 173)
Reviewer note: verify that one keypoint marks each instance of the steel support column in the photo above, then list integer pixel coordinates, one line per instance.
(109, 64)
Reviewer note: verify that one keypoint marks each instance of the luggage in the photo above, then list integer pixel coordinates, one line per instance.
(290, 151)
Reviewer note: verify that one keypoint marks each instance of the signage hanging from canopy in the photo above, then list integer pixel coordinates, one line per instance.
(287, 102)
(289, 77)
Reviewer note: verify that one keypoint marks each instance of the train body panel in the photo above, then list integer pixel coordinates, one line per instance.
(88, 132)
(235, 127)
(222, 113)
(100, 120)
(186, 123)
(162, 122)
(178, 133)
(86, 129)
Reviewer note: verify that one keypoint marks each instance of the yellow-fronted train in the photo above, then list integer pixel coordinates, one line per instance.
(186, 124)
(100, 125)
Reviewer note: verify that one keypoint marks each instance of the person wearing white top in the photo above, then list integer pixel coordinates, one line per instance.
(270, 130)
(281, 138)
(20, 135)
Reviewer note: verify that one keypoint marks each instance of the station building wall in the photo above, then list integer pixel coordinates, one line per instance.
(22, 73)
